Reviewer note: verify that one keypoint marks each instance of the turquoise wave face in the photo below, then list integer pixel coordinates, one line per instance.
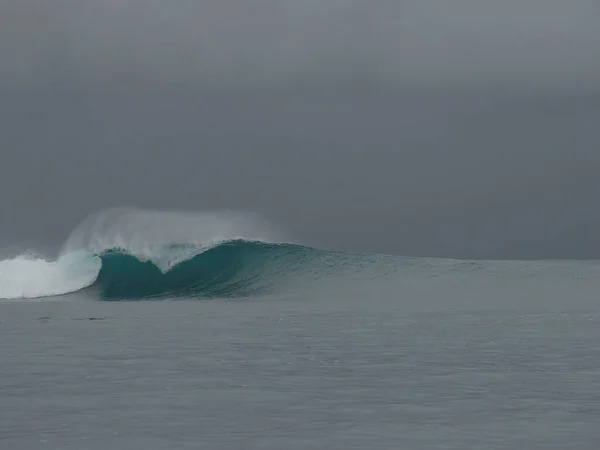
(231, 269)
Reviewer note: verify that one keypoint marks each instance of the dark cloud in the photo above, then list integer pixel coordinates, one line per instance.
(464, 129)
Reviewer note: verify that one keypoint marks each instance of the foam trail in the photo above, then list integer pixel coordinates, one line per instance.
(29, 277)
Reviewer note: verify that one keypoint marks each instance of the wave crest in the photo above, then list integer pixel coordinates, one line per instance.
(167, 238)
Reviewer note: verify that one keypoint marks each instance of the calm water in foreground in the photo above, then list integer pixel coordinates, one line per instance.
(351, 370)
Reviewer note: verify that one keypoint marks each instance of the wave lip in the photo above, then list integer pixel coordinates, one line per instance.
(166, 238)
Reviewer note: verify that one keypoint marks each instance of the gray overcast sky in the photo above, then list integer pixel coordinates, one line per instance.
(426, 41)
(419, 127)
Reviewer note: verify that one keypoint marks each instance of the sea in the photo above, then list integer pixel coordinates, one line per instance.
(214, 330)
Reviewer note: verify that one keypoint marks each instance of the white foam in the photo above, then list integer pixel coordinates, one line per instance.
(29, 277)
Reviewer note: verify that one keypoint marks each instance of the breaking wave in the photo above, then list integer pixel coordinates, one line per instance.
(126, 253)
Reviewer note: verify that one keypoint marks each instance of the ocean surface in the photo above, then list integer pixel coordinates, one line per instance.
(164, 330)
